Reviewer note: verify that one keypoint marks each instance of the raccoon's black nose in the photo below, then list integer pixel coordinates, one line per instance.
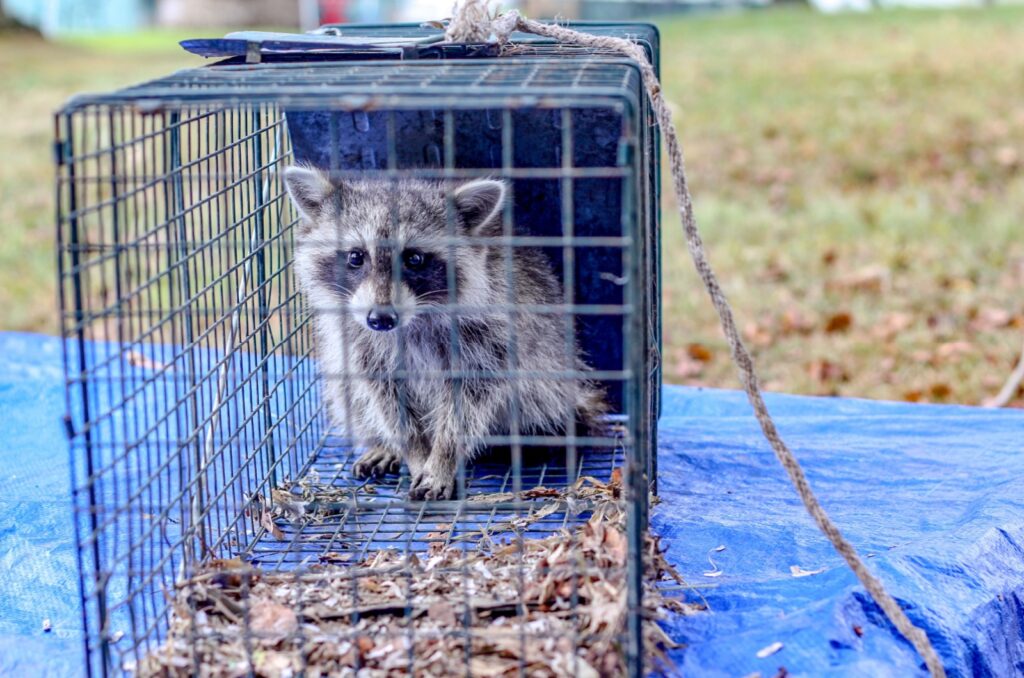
(382, 319)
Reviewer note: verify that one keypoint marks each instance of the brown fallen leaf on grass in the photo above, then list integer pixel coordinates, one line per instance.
(992, 381)
(892, 325)
(957, 283)
(826, 371)
(944, 325)
(839, 322)
(774, 272)
(757, 334)
(794, 321)
(922, 357)
(988, 319)
(1007, 156)
(869, 279)
(953, 349)
(937, 392)
(700, 352)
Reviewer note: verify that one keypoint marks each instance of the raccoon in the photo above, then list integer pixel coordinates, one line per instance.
(410, 378)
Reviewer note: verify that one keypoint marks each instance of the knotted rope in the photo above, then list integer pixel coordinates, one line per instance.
(474, 22)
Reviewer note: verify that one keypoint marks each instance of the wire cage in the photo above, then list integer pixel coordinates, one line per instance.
(204, 448)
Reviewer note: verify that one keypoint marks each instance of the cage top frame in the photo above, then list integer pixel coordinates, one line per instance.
(425, 43)
(555, 83)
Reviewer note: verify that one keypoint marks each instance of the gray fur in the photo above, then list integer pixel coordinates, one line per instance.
(426, 417)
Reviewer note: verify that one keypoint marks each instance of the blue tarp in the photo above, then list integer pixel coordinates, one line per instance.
(934, 495)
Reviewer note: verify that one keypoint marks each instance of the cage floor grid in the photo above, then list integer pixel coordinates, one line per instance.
(349, 520)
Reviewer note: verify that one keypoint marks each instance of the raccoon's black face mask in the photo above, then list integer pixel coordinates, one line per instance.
(376, 278)
(382, 251)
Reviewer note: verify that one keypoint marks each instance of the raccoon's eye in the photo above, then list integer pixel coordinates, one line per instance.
(355, 258)
(414, 260)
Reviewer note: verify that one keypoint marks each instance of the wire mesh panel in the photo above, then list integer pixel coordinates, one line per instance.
(190, 383)
(342, 343)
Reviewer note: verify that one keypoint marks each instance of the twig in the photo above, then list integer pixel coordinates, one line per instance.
(402, 609)
(1009, 389)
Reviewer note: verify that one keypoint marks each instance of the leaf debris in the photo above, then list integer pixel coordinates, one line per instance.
(556, 605)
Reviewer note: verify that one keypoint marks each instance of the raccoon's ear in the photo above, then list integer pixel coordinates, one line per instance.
(308, 188)
(480, 203)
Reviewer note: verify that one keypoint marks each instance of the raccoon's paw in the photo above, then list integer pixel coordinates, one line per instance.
(376, 462)
(428, 485)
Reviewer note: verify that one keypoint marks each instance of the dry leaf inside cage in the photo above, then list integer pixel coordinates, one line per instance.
(456, 600)
(272, 620)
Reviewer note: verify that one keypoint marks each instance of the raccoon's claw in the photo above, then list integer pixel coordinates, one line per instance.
(426, 487)
(376, 462)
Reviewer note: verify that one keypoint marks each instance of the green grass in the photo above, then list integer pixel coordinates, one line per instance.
(867, 168)
(862, 165)
(157, 41)
(38, 78)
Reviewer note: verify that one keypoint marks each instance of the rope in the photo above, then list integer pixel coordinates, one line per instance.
(474, 22)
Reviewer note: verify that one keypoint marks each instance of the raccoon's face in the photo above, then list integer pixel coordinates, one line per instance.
(380, 251)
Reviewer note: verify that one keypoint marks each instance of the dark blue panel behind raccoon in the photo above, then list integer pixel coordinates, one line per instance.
(358, 140)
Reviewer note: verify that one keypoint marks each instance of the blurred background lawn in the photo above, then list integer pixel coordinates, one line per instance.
(859, 180)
